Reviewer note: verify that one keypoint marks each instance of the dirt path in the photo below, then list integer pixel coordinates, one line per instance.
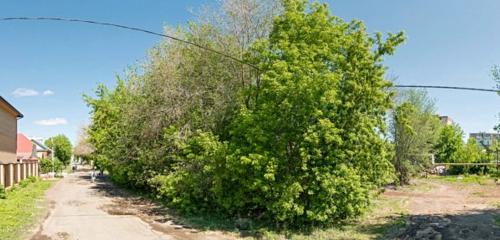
(83, 210)
(443, 210)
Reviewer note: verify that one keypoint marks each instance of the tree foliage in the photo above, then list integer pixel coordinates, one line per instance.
(449, 145)
(50, 165)
(83, 148)
(496, 76)
(414, 130)
(472, 152)
(62, 148)
(300, 141)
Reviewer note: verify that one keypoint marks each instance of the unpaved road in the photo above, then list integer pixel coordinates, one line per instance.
(442, 210)
(80, 210)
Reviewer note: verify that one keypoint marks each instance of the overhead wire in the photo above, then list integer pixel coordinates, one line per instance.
(137, 29)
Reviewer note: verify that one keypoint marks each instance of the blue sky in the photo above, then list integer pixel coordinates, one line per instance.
(450, 42)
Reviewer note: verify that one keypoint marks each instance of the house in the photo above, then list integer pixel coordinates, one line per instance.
(42, 151)
(26, 149)
(13, 171)
(8, 131)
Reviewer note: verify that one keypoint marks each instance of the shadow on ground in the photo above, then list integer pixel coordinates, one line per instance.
(483, 224)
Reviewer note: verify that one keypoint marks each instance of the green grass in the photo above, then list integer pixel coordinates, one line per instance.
(21, 208)
(482, 180)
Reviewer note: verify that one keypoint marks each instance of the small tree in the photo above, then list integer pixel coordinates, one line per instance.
(403, 134)
(83, 147)
(414, 129)
(496, 76)
(449, 147)
(62, 148)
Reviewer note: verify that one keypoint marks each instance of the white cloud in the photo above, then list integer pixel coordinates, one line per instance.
(48, 92)
(24, 92)
(52, 122)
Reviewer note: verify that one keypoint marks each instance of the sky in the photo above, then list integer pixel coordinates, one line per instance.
(46, 67)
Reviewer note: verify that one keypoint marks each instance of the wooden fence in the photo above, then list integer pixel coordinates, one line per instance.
(13, 173)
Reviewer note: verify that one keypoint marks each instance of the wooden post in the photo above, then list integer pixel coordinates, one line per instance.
(9, 175)
(17, 172)
(37, 172)
(28, 166)
(23, 171)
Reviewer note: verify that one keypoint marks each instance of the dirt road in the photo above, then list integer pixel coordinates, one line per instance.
(80, 209)
(443, 210)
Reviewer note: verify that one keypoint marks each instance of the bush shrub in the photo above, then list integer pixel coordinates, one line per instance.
(3, 193)
(300, 145)
(50, 165)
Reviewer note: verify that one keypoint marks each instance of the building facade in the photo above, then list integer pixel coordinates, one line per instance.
(12, 169)
(485, 139)
(445, 120)
(8, 132)
(26, 149)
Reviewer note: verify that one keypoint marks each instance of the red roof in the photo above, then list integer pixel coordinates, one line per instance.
(24, 147)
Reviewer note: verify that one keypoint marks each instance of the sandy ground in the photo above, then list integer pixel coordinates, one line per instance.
(439, 197)
(446, 210)
(80, 210)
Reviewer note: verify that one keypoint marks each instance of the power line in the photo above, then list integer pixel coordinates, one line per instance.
(205, 48)
(448, 87)
(128, 28)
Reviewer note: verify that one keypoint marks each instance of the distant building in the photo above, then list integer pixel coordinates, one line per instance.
(445, 120)
(26, 150)
(42, 151)
(485, 139)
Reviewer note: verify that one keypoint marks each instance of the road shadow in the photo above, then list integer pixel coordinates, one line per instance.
(480, 224)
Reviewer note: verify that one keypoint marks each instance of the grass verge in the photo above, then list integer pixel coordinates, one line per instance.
(21, 208)
(479, 179)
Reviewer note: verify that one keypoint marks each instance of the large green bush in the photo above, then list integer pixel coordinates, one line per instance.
(299, 142)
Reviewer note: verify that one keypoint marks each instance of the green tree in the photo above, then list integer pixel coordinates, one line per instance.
(299, 142)
(179, 87)
(471, 151)
(414, 129)
(403, 134)
(108, 129)
(449, 146)
(496, 76)
(62, 148)
(308, 146)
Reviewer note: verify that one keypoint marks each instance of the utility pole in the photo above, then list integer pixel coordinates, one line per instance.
(53, 153)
